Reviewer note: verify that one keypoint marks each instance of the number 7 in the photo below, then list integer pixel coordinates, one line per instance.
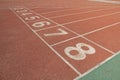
(62, 32)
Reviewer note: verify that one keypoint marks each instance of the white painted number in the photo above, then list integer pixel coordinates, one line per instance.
(41, 24)
(81, 53)
(62, 32)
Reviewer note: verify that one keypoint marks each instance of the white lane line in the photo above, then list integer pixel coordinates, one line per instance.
(77, 34)
(98, 65)
(99, 29)
(65, 10)
(90, 18)
(65, 40)
(71, 66)
(98, 45)
(80, 13)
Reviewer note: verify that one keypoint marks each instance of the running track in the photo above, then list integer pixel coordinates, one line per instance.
(35, 41)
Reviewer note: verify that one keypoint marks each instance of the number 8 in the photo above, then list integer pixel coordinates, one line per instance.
(81, 52)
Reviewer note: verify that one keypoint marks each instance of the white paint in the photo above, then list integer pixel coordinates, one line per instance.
(61, 32)
(41, 24)
(107, 1)
(81, 55)
(32, 18)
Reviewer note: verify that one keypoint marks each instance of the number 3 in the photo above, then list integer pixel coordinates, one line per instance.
(81, 52)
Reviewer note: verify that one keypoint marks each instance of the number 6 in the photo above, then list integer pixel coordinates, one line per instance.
(41, 24)
(81, 52)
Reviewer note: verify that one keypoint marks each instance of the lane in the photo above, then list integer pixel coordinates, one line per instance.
(72, 11)
(70, 18)
(107, 38)
(83, 27)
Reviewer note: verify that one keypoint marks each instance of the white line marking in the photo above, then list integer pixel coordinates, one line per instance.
(73, 68)
(65, 40)
(98, 65)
